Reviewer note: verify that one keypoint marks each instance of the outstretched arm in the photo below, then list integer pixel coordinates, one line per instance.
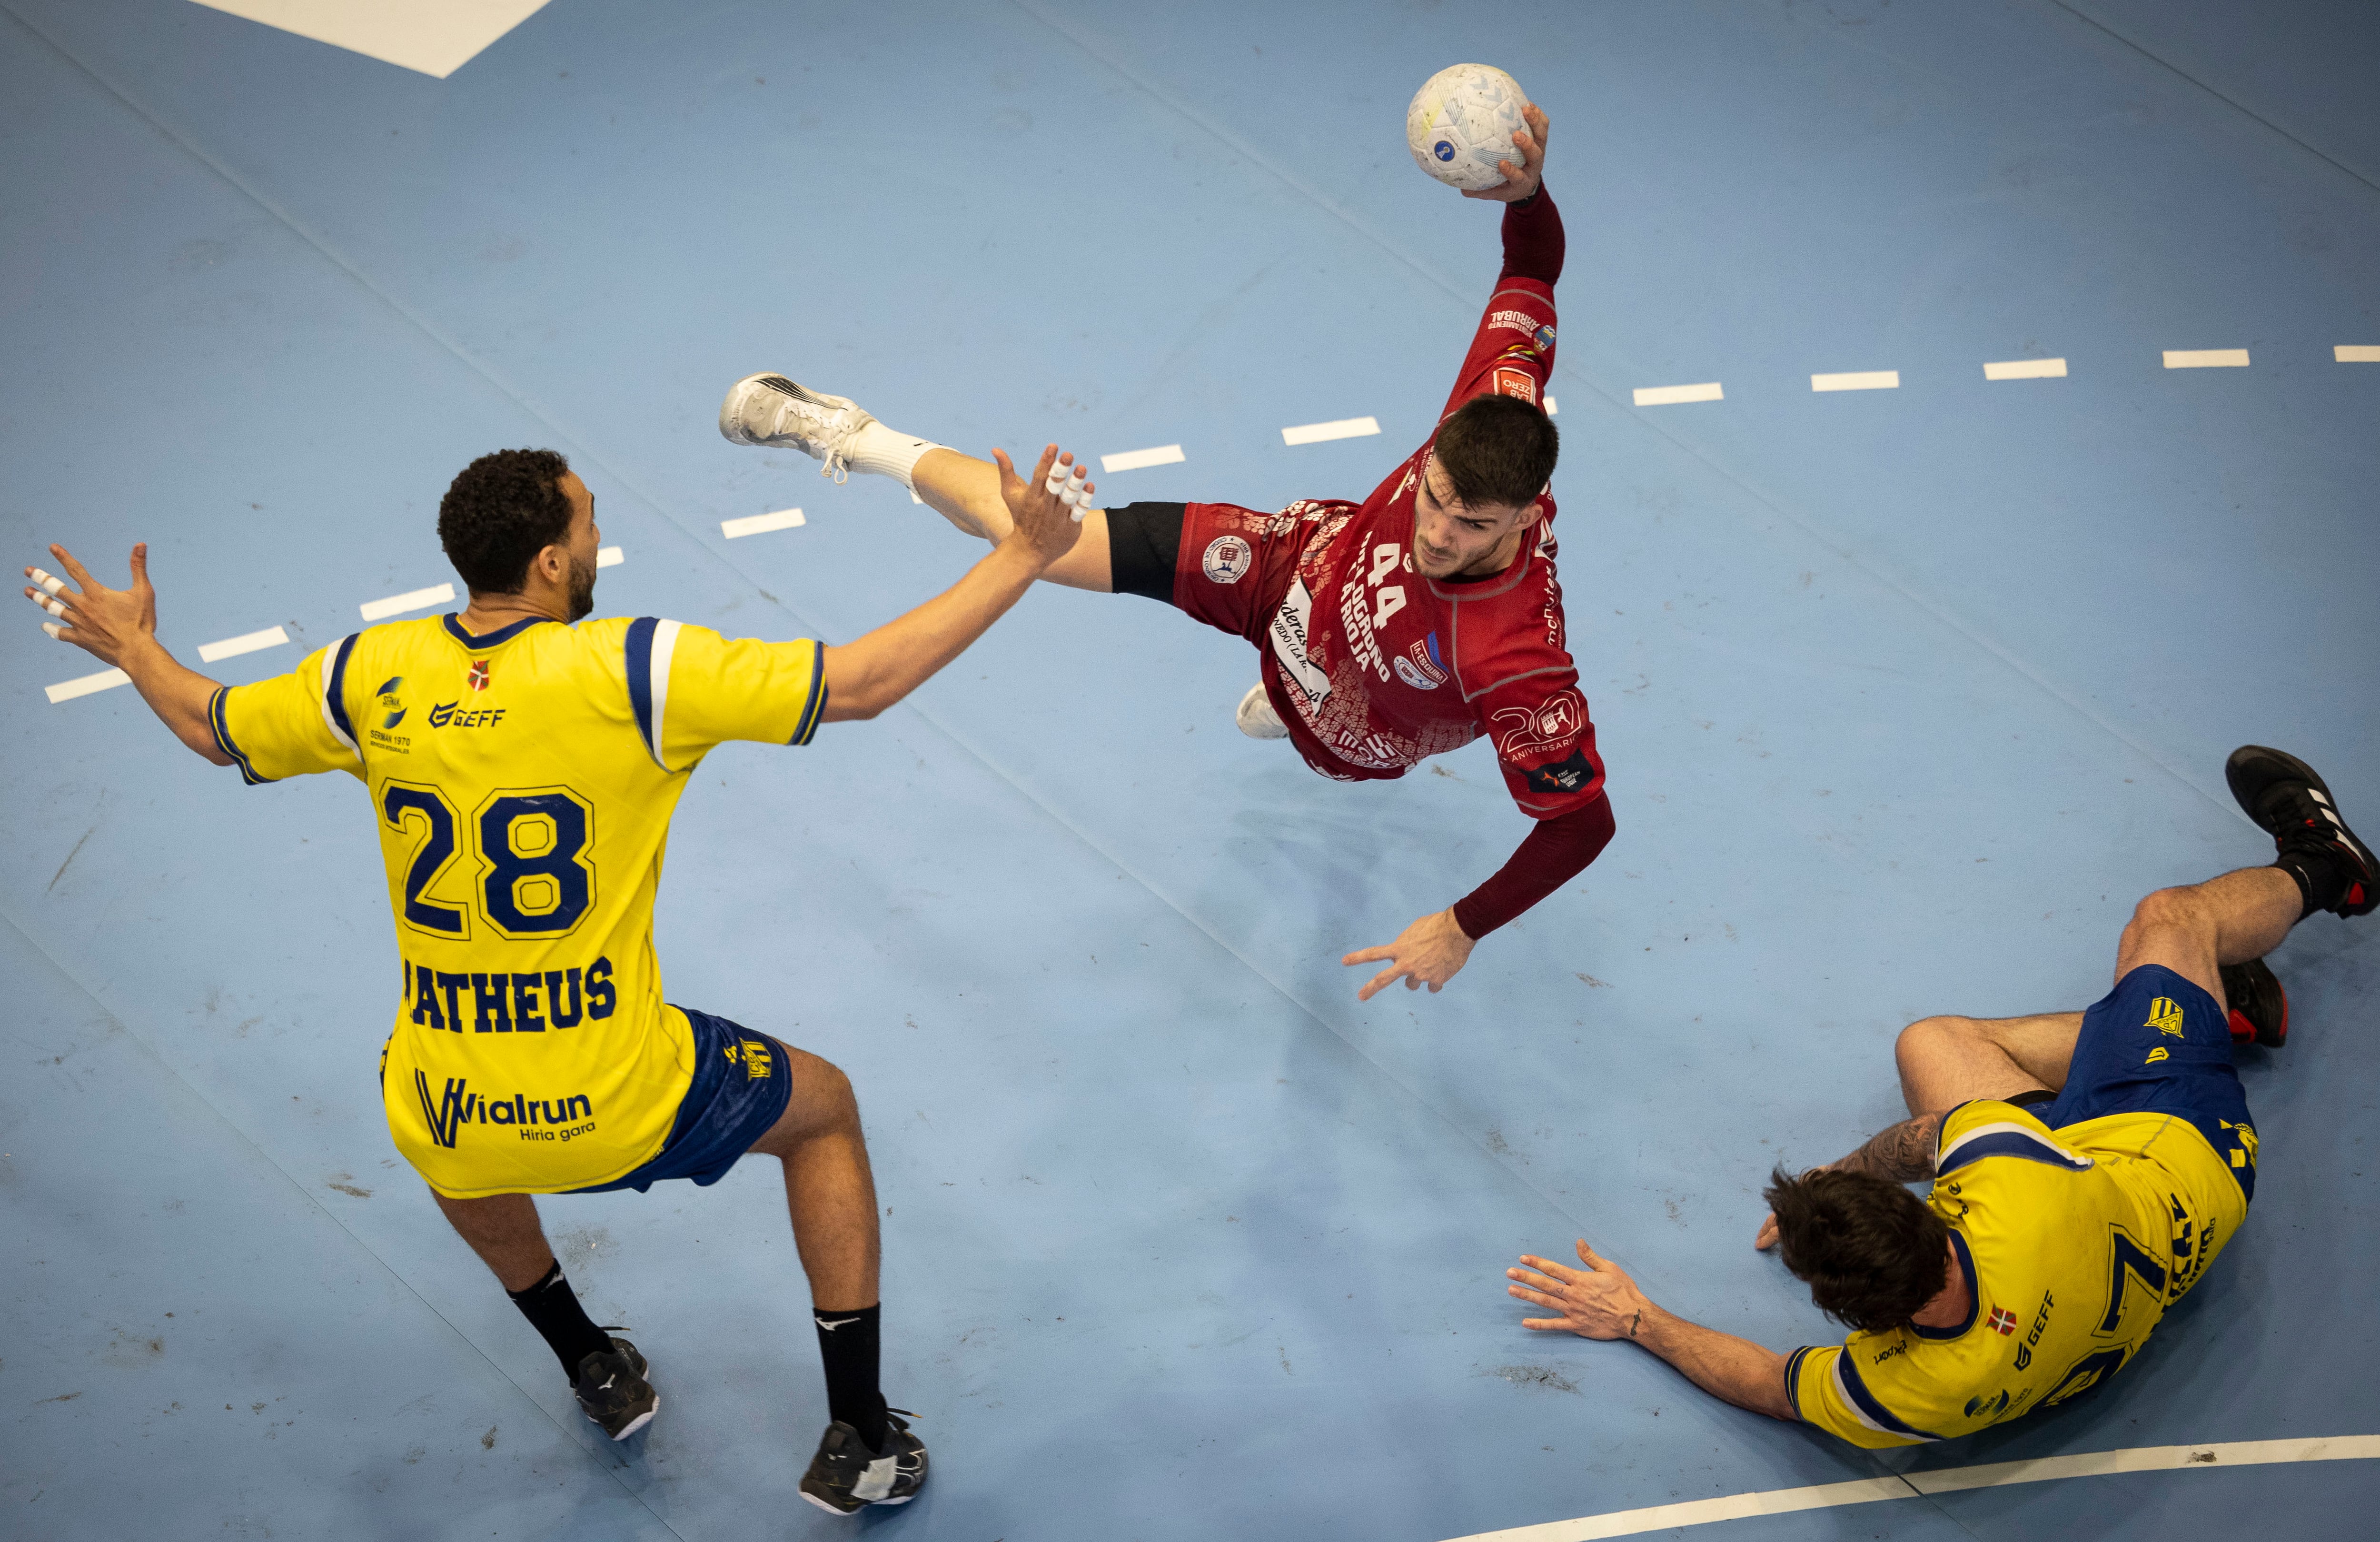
(1901, 1153)
(119, 626)
(1430, 951)
(1601, 1302)
(865, 676)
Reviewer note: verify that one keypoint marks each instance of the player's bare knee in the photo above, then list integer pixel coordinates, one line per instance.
(1929, 1039)
(822, 1096)
(2167, 910)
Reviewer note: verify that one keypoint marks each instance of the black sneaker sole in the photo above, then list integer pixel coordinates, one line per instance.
(2260, 1008)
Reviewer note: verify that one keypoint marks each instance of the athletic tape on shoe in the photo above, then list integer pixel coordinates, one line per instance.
(48, 581)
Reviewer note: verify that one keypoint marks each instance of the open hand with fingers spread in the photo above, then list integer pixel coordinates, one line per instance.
(1047, 521)
(1596, 1301)
(104, 622)
(1520, 181)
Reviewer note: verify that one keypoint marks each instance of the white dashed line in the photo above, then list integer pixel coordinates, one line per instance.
(1671, 396)
(1551, 409)
(610, 556)
(412, 600)
(1316, 433)
(1135, 460)
(2026, 369)
(762, 524)
(2356, 353)
(2207, 358)
(66, 691)
(247, 643)
(1858, 379)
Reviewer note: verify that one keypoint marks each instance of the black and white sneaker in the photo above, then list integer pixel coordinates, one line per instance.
(2260, 1008)
(773, 412)
(613, 1390)
(846, 1478)
(2285, 797)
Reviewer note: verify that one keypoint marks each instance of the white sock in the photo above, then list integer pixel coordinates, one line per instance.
(886, 452)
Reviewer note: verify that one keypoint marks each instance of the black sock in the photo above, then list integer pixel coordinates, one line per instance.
(2322, 876)
(551, 1307)
(848, 1346)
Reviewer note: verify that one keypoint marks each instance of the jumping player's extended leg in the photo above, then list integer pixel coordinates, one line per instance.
(966, 491)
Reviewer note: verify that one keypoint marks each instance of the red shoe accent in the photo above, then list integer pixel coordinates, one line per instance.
(2243, 1031)
(2355, 893)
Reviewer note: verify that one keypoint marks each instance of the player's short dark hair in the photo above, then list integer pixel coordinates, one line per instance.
(499, 512)
(1871, 1252)
(1497, 451)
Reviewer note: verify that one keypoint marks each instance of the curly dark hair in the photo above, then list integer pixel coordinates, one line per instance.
(1871, 1252)
(1497, 451)
(499, 512)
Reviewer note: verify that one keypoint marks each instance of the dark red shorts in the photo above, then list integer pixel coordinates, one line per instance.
(1230, 568)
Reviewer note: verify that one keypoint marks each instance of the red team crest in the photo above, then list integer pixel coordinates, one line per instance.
(479, 675)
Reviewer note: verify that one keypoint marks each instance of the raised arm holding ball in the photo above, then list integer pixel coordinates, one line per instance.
(1387, 631)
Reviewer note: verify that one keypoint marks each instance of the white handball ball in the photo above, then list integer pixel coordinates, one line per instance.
(1462, 122)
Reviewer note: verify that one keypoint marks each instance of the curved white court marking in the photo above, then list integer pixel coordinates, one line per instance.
(2026, 369)
(1672, 395)
(2207, 358)
(1858, 379)
(1945, 1480)
(762, 524)
(1343, 428)
(2356, 353)
(411, 600)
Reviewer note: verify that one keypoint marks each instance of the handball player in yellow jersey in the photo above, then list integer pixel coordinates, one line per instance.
(522, 764)
(2086, 1168)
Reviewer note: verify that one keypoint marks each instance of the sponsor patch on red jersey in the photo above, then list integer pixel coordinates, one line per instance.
(1510, 381)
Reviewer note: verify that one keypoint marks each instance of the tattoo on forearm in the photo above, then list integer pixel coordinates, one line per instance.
(1904, 1153)
(1634, 1323)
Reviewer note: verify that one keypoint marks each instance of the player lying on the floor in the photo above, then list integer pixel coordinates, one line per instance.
(2087, 1168)
(523, 775)
(1387, 631)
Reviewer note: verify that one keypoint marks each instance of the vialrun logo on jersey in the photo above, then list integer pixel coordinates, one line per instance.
(559, 1119)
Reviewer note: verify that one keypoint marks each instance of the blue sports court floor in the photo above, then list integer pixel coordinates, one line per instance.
(1907, 695)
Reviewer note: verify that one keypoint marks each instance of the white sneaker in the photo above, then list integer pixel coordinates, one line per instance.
(772, 410)
(1255, 717)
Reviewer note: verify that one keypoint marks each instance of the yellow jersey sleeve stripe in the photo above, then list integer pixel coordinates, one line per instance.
(650, 645)
(334, 686)
(224, 739)
(814, 709)
(1793, 1380)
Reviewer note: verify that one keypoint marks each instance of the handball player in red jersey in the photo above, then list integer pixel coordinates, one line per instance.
(1403, 626)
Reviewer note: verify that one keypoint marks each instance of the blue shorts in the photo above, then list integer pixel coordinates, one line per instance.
(740, 1085)
(2157, 1044)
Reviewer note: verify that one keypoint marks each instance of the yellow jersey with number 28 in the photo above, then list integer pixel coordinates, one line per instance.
(2074, 1243)
(523, 783)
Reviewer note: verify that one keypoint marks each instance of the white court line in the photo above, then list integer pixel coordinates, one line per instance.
(2207, 358)
(762, 524)
(1314, 433)
(2356, 353)
(1670, 396)
(1551, 411)
(1826, 1496)
(609, 556)
(247, 643)
(411, 600)
(83, 684)
(1134, 460)
(2026, 369)
(1858, 379)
